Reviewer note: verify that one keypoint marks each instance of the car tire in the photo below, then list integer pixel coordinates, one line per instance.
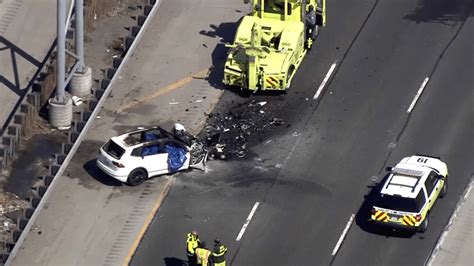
(424, 225)
(137, 176)
(444, 190)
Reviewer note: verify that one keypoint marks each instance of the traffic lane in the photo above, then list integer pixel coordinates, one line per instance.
(373, 111)
(380, 55)
(333, 42)
(441, 124)
(215, 204)
(290, 227)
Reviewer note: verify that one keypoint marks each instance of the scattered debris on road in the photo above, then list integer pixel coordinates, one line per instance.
(227, 135)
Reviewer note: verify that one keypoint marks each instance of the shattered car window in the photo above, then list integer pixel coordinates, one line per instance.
(113, 149)
(151, 150)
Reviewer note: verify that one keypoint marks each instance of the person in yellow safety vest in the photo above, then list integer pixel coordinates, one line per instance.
(218, 255)
(192, 242)
(203, 255)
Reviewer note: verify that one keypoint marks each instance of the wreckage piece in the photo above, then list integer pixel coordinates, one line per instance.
(227, 133)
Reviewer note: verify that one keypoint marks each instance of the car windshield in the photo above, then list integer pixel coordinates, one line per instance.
(398, 203)
(113, 149)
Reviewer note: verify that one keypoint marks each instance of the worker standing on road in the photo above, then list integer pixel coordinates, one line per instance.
(311, 22)
(218, 255)
(192, 242)
(203, 255)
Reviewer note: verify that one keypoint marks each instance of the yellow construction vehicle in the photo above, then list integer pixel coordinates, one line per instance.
(271, 42)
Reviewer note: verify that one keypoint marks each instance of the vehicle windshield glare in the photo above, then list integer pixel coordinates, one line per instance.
(398, 203)
(113, 149)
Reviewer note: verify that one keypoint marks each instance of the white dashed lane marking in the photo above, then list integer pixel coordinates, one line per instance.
(325, 80)
(249, 218)
(343, 235)
(418, 94)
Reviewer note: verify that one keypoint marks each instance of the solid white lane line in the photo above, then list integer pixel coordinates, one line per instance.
(418, 94)
(325, 80)
(244, 227)
(344, 233)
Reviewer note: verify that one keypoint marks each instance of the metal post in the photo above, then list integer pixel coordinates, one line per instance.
(79, 26)
(61, 50)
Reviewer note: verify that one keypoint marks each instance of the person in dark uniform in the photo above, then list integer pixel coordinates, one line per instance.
(218, 254)
(311, 22)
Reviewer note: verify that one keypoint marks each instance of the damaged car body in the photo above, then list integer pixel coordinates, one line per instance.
(135, 156)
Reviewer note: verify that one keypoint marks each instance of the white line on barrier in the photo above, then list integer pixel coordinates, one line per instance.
(325, 80)
(343, 235)
(244, 227)
(418, 94)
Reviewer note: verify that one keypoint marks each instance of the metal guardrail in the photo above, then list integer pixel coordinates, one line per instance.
(144, 24)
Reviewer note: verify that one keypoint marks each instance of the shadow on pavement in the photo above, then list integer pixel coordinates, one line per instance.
(363, 215)
(92, 169)
(174, 262)
(14, 83)
(225, 32)
(441, 11)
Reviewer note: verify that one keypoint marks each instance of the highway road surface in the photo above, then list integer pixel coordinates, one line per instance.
(402, 83)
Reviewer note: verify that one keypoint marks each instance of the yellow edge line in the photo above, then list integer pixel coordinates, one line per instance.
(169, 88)
(147, 223)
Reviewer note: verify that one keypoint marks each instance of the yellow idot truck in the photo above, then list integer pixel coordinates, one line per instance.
(271, 42)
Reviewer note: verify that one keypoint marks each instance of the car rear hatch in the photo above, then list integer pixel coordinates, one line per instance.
(398, 210)
(110, 154)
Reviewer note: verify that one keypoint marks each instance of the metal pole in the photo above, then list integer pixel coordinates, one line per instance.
(61, 50)
(79, 21)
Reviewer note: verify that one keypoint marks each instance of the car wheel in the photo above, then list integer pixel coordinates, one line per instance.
(424, 225)
(137, 176)
(444, 190)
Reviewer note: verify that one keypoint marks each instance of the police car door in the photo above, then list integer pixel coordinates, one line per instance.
(433, 186)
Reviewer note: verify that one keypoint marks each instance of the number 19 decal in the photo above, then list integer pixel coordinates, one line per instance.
(422, 160)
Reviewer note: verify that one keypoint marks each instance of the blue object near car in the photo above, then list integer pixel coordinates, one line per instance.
(176, 157)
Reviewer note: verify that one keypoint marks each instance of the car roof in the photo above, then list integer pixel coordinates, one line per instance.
(127, 140)
(406, 180)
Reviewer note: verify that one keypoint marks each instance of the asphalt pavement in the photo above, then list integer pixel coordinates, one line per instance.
(27, 32)
(314, 173)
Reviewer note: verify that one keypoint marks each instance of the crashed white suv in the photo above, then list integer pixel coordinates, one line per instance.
(135, 156)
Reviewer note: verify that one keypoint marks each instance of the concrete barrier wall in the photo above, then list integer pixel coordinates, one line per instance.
(19, 126)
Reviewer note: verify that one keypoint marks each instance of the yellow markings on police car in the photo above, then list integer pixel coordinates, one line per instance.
(380, 216)
(409, 220)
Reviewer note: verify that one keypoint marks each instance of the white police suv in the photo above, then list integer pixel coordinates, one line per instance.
(410, 191)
